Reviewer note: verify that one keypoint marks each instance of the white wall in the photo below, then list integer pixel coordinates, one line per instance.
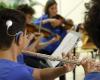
(66, 9)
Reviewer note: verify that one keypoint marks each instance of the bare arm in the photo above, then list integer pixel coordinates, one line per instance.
(45, 44)
(54, 22)
(52, 73)
(34, 45)
(48, 73)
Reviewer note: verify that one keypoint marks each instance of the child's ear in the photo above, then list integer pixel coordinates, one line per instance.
(18, 37)
(20, 41)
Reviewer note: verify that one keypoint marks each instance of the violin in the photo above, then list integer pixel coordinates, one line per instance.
(65, 24)
(31, 28)
(63, 21)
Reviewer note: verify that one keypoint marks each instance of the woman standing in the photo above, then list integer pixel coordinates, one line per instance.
(55, 23)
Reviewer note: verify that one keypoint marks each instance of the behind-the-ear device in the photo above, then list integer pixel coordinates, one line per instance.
(9, 24)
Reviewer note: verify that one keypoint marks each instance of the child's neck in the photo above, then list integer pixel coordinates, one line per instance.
(9, 55)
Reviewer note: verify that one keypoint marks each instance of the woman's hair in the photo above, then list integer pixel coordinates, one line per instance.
(26, 9)
(79, 27)
(11, 22)
(48, 5)
(92, 21)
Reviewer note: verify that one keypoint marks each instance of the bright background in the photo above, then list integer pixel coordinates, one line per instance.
(73, 9)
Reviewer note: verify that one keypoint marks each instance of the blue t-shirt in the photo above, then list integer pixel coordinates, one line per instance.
(20, 59)
(93, 76)
(10, 70)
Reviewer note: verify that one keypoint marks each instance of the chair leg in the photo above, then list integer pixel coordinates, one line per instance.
(62, 77)
(74, 74)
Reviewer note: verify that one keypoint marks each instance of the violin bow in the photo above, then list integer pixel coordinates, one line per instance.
(40, 26)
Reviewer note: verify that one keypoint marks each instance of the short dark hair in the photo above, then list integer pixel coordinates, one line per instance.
(18, 24)
(92, 21)
(49, 3)
(26, 9)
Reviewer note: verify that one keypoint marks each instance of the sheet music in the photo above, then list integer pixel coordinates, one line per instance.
(67, 44)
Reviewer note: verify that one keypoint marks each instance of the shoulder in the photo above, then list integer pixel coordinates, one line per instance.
(14, 71)
(20, 72)
(38, 20)
(44, 16)
(93, 76)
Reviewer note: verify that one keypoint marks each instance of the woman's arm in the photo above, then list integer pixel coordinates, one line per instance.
(45, 44)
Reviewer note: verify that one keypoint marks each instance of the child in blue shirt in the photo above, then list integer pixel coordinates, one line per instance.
(13, 40)
(52, 21)
(11, 27)
(10, 70)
